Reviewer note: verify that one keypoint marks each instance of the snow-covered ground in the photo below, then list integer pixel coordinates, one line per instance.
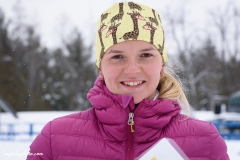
(16, 147)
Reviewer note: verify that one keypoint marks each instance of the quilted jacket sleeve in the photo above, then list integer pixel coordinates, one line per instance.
(218, 146)
(40, 149)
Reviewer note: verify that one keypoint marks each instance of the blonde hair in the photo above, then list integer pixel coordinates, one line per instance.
(170, 87)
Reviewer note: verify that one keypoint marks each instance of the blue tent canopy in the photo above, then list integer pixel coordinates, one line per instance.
(234, 102)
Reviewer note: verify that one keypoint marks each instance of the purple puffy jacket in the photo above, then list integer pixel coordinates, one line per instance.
(103, 133)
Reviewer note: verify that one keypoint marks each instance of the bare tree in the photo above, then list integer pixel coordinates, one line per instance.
(227, 32)
(184, 37)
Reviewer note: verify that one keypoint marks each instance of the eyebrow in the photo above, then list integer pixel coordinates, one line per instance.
(115, 51)
(147, 49)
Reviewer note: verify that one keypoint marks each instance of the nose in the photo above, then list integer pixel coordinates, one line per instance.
(132, 66)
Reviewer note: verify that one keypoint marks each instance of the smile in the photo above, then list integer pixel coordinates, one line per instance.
(132, 83)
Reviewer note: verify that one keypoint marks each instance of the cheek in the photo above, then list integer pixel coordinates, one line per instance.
(111, 83)
(109, 72)
(110, 76)
(154, 74)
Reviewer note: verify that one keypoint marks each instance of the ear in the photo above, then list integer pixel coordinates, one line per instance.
(101, 74)
(163, 69)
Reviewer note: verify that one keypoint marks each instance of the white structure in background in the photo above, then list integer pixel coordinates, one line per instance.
(6, 107)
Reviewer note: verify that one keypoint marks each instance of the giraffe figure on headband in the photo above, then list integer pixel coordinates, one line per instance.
(161, 48)
(134, 6)
(104, 16)
(153, 20)
(152, 29)
(112, 30)
(134, 34)
(102, 28)
(119, 15)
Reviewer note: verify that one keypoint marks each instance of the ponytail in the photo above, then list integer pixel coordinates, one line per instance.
(171, 88)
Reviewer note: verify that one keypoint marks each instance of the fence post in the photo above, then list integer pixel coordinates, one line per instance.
(11, 132)
(30, 129)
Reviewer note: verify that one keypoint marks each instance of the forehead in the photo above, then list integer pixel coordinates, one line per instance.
(132, 46)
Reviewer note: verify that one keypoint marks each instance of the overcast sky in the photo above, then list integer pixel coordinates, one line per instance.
(56, 18)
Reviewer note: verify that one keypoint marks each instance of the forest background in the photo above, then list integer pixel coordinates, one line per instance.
(36, 77)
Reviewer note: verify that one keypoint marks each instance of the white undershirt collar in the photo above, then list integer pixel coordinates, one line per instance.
(156, 96)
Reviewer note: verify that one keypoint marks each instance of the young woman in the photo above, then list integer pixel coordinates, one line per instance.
(135, 101)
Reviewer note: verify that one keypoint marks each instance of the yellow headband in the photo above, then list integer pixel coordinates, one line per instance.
(129, 21)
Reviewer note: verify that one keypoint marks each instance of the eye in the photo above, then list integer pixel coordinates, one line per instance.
(117, 57)
(146, 55)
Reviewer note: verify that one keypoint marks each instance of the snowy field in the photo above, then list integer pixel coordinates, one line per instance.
(16, 147)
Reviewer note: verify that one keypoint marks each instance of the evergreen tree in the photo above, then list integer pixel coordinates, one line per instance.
(7, 65)
(72, 74)
(82, 72)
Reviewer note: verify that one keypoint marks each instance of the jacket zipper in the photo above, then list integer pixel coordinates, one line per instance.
(130, 130)
(131, 121)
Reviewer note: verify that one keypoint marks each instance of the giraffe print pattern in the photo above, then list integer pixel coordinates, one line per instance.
(152, 29)
(161, 48)
(104, 16)
(119, 15)
(134, 6)
(153, 19)
(112, 30)
(118, 24)
(134, 34)
(101, 29)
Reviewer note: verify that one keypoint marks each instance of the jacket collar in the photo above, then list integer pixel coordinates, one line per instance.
(150, 117)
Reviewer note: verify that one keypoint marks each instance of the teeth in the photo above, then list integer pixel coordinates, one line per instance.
(133, 83)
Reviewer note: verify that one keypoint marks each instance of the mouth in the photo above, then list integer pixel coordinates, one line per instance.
(136, 83)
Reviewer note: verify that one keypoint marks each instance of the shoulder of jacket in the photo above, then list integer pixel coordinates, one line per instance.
(85, 115)
(194, 127)
(72, 122)
(196, 137)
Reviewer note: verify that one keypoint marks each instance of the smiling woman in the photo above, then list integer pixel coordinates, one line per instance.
(132, 68)
(135, 101)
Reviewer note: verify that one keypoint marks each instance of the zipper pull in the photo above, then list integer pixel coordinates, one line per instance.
(130, 121)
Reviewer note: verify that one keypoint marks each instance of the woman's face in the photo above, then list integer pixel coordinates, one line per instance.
(132, 68)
